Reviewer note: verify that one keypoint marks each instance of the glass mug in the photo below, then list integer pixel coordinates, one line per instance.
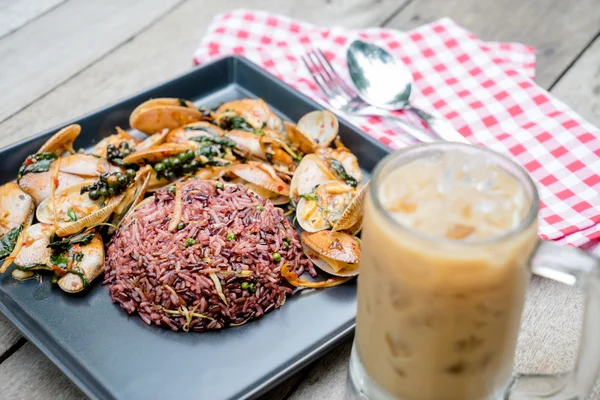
(449, 245)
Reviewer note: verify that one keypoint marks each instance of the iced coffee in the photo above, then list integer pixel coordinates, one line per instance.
(446, 242)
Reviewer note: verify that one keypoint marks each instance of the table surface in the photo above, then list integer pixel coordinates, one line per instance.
(62, 58)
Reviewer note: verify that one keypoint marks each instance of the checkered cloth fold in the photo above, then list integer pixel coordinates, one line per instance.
(485, 90)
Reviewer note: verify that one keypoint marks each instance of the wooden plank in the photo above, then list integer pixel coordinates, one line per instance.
(28, 374)
(547, 343)
(16, 13)
(43, 54)
(558, 29)
(164, 51)
(580, 86)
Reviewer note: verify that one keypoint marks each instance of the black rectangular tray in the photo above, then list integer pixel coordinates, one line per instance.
(111, 355)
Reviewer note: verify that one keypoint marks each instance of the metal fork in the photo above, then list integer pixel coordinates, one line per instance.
(345, 99)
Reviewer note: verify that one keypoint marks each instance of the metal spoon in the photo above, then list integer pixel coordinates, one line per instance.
(385, 82)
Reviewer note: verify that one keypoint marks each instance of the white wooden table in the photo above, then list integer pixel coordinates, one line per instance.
(62, 58)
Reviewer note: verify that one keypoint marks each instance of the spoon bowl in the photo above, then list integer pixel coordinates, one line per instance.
(380, 79)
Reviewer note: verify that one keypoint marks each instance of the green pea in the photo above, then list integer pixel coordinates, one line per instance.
(159, 167)
(230, 236)
(245, 285)
(219, 185)
(276, 257)
(180, 226)
(252, 287)
(260, 208)
(190, 242)
(171, 189)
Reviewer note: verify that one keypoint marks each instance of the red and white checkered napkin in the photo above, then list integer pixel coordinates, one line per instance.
(486, 90)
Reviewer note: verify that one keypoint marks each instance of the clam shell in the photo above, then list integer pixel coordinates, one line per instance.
(255, 111)
(85, 165)
(89, 212)
(311, 171)
(32, 247)
(36, 184)
(152, 140)
(16, 208)
(248, 143)
(91, 265)
(62, 141)
(165, 113)
(352, 217)
(320, 126)
(195, 129)
(308, 224)
(262, 175)
(345, 157)
(306, 144)
(156, 153)
(116, 139)
(338, 246)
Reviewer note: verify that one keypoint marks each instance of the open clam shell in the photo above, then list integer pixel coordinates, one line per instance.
(132, 197)
(16, 208)
(90, 267)
(62, 141)
(185, 133)
(86, 165)
(348, 160)
(165, 113)
(262, 179)
(31, 250)
(320, 127)
(156, 153)
(255, 111)
(116, 139)
(248, 144)
(311, 171)
(302, 141)
(322, 208)
(37, 185)
(352, 217)
(88, 212)
(336, 253)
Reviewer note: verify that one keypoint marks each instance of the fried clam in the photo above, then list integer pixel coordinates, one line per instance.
(165, 113)
(324, 206)
(75, 260)
(311, 171)
(262, 179)
(36, 173)
(132, 196)
(70, 210)
(188, 132)
(343, 163)
(279, 152)
(248, 145)
(247, 115)
(116, 140)
(336, 253)
(156, 153)
(152, 140)
(315, 129)
(16, 214)
(62, 141)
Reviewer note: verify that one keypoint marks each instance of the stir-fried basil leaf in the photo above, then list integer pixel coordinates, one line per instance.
(236, 123)
(64, 244)
(8, 241)
(35, 163)
(61, 260)
(223, 141)
(341, 171)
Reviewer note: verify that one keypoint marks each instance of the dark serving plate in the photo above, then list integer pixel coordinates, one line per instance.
(111, 355)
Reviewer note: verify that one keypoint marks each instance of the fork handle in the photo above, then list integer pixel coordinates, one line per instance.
(442, 128)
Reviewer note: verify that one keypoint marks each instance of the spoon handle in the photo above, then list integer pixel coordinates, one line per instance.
(443, 129)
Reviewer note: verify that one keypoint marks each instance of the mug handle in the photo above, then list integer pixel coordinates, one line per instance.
(572, 266)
